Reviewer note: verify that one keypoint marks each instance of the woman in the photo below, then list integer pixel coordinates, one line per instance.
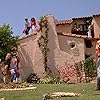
(8, 60)
(15, 62)
(5, 74)
(34, 25)
(6, 68)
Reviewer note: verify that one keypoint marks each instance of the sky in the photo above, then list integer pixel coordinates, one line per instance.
(13, 12)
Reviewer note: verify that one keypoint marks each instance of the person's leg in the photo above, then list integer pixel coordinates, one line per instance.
(98, 83)
(4, 73)
(17, 75)
(4, 79)
(26, 32)
(28, 29)
(12, 77)
(98, 73)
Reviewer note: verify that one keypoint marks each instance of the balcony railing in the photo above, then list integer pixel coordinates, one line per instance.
(78, 32)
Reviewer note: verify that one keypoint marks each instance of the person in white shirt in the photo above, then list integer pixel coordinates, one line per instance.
(34, 25)
(89, 31)
(26, 27)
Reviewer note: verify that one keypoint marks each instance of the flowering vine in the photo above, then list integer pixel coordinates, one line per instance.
(43, 40)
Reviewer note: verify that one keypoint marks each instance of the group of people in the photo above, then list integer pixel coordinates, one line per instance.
(32, 24)
(9, 68)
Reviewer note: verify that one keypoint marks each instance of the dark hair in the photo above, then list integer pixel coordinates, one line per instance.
(33, 19)
(26, 18)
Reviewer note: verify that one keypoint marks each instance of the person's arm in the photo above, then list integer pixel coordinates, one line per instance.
(37, 27)
(97, 48)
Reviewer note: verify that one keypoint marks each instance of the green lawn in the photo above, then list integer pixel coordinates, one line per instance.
(87, 91)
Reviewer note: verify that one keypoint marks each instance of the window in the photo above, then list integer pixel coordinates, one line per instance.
(83, 27)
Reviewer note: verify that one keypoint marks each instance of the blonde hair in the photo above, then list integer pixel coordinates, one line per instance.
(8, 56)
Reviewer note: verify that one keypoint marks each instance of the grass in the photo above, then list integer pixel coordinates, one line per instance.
(87, 91)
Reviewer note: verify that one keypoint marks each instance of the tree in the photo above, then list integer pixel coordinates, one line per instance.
(7, 40)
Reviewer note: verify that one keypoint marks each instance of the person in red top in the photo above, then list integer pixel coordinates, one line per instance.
(34, 25)
(98, 63)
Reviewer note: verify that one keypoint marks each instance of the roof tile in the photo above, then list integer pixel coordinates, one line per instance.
(77, 36)
(61, 22)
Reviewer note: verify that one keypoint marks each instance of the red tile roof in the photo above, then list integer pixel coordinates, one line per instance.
(77, 36)
(82, 18)
(62, 22)
(96, 15)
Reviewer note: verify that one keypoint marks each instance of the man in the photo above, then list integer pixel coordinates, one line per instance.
(27, 26)
(98, 63)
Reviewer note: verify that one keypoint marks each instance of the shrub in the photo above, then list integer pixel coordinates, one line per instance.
(33, 78)
(47, 80)
(90, 67)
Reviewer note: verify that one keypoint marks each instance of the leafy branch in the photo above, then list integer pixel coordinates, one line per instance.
(43, 40)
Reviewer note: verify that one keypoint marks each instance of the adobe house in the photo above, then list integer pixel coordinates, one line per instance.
(77, 31)
(68, 44)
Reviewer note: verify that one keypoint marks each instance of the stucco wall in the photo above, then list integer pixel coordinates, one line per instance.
(77, 52)
(26, 50)
(59, 60)
(30, 56)
(66, 29)
(96, 20)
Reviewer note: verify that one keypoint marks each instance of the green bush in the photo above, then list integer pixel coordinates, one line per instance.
(90, 67)
(50, 80)
(47, 80)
